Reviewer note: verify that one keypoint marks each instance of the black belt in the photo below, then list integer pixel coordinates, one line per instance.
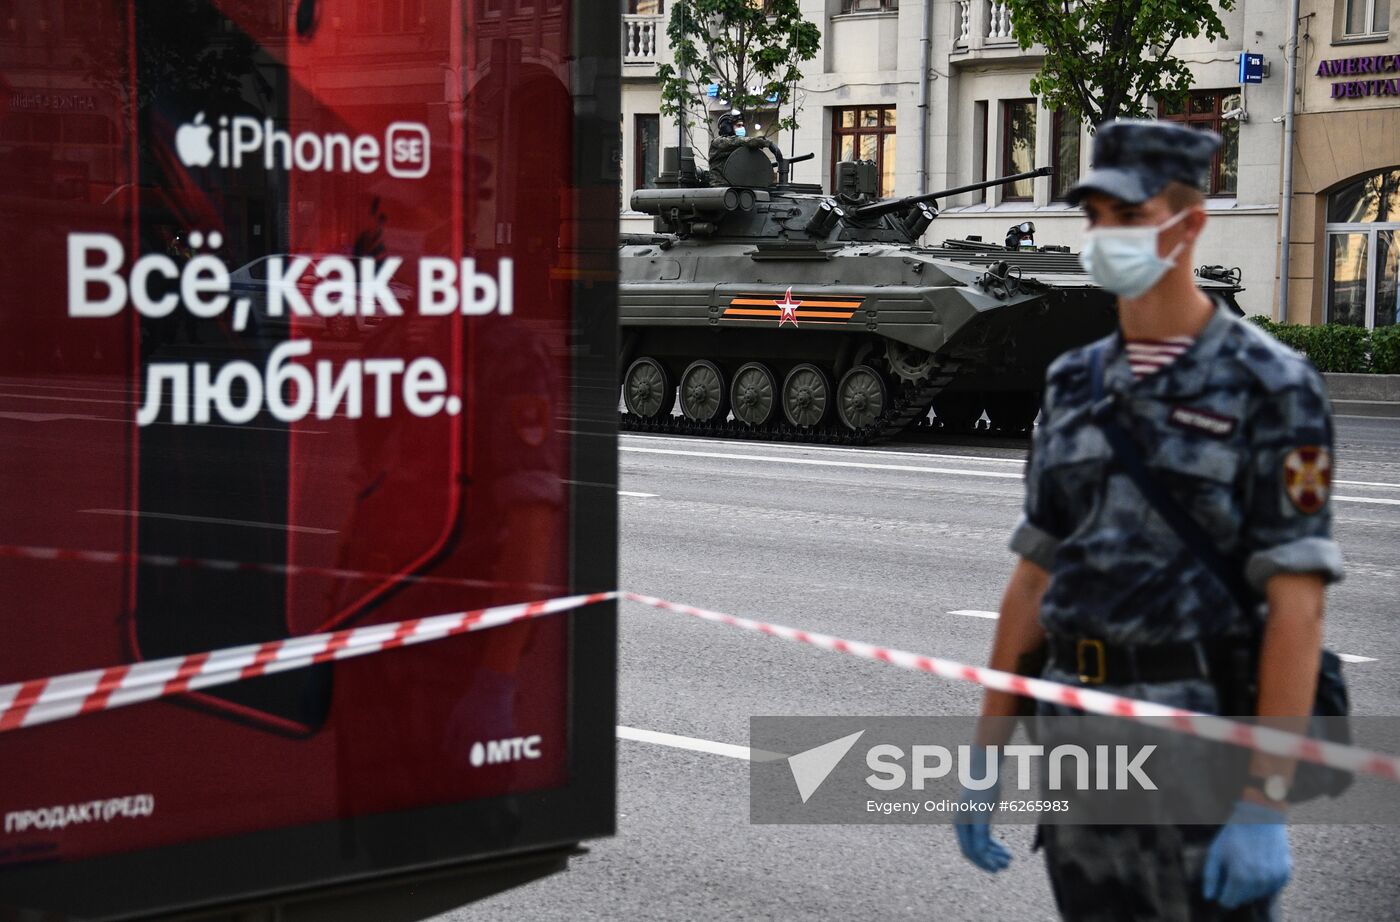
(1099, 662)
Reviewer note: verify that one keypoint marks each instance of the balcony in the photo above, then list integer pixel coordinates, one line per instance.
(982, 28)
(642, 36)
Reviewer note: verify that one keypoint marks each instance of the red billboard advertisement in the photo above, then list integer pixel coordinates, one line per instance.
(308, 324)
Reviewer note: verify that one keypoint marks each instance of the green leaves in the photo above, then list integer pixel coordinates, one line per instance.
(750, 49)
(1107, 59)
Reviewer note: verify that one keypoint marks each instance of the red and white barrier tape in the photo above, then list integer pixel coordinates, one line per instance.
(1206, 726)
(27, 704)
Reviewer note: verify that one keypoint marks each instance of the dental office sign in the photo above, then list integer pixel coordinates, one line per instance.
(1374, 75)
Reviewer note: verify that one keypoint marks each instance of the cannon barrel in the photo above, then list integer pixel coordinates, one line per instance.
(889, 206)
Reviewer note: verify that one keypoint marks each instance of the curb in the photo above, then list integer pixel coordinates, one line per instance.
(1371, 388)
(1364, 395)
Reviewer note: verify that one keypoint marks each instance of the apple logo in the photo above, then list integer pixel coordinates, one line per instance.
(192, 143)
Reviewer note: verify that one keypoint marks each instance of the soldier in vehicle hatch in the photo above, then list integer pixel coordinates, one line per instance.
(1237, 433)
(732, 136)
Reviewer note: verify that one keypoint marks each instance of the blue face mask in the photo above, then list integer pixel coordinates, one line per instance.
(740, 132)
(1124, 260)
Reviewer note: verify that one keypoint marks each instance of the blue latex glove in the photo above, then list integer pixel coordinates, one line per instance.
(975, 832)
(1250, 858)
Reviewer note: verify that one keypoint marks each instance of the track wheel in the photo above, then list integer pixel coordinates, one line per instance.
(959, 410)
(861, 397)
(753, 394)
(647, 390)
(703, 397)
(806, 396)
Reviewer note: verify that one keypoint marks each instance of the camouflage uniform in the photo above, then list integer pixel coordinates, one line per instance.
(720, 149)
(1226, 428)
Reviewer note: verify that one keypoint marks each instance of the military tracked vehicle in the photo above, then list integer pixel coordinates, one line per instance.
(766, 308)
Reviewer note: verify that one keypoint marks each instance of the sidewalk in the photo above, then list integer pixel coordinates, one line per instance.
(1364, 395)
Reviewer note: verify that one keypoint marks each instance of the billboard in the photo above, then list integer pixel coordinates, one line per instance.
(308, 323)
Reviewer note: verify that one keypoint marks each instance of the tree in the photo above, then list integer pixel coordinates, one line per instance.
(749, 49)
(1103, 58)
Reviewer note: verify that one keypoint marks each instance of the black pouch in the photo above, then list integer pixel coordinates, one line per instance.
(1031, 664)
(1237, 684)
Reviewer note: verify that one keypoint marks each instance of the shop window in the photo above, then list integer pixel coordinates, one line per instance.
(1373, 199)
(1066, 153)
(1018, 147)
(865, 133)
(1363, 251)
(1206, 110)
(646, 150)
(1362, 19)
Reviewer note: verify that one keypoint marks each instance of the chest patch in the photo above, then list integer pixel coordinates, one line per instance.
(1205, 421)
(1307, 478)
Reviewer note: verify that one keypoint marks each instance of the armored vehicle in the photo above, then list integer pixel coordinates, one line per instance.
(768, 309)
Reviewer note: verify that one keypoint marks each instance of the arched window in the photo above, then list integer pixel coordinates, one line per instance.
(1363, 250)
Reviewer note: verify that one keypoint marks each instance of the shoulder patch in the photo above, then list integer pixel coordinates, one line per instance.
(1307, 478)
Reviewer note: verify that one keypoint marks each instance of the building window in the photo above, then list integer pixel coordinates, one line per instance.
(1018, 147)
(1363, 18)
(865, 133)
(646, 150)
(1066, 154)
(1205, 110)
(979, 143)
(1363, 251)
(868, 6)
(646, 7)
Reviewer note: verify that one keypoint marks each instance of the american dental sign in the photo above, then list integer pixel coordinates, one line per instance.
(1380, 75)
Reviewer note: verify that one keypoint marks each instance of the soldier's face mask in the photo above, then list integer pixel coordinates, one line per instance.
(1124, 260)
(740, 132)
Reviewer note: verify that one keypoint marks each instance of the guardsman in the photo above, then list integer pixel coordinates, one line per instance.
(731, 135)
(1238, 430)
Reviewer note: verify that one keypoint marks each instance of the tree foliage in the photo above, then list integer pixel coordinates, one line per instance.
(1107, 59)
(750, 49)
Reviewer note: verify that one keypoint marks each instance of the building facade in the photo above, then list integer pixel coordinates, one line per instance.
(1345, 225)
(937, 92)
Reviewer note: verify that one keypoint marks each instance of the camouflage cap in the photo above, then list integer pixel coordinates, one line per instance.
(1136, 159)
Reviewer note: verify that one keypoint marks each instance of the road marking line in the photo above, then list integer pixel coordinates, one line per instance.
(696, 745)
(915, 454)
(638, 495)
(1353, 658)
(815, 462)
(975, 613)
(1367, 499)
(692, 440)
(210, 520)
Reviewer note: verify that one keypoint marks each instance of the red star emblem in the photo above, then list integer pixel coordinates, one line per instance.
(789, 308)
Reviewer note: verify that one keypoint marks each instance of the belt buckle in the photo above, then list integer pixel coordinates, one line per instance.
(1100, 672)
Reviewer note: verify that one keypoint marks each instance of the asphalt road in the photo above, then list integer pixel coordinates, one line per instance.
(878, 545)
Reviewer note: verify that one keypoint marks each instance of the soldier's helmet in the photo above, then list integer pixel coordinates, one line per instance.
(727, 122)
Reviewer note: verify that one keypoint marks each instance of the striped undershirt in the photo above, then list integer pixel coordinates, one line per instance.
(1147, 356)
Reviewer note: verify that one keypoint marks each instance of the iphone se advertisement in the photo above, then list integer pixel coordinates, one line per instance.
(307, 325)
